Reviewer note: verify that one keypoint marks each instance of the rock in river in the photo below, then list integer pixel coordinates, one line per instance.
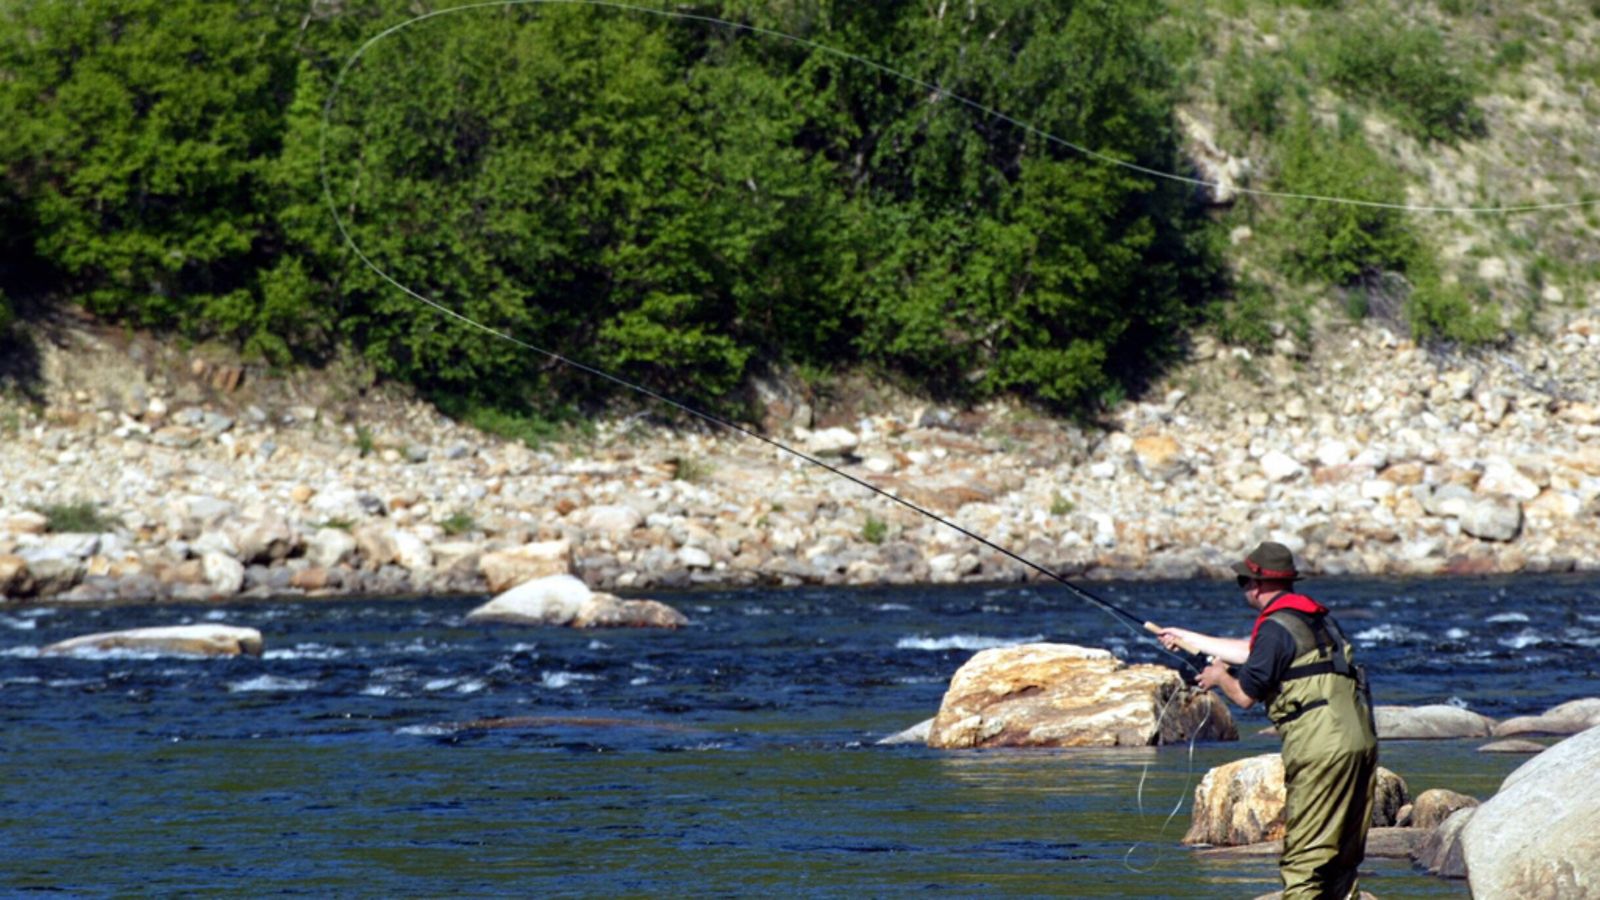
(1539, 836)
(564, 600)
(187, 640)
(1060, 695)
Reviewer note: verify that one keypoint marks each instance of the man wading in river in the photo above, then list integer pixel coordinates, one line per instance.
(1298, 661)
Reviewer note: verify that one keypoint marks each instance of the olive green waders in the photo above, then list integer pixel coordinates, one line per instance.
(1330, 763)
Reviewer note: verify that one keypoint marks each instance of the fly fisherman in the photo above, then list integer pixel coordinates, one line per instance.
(1298, 661)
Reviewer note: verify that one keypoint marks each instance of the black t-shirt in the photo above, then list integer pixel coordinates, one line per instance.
(1269, 659)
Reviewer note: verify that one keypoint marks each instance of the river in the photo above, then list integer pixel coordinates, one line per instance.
(385, 748)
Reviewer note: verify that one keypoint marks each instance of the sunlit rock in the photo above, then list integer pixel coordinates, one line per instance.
(1539, 836)
(184, 640)
(1430, 722)
(504, 569)
(1242, 802)
(1060, 695)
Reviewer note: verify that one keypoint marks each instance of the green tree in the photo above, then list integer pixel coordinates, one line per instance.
(137, 134)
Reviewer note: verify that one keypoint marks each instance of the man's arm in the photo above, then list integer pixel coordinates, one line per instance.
(1233, 651)
(1216, 675)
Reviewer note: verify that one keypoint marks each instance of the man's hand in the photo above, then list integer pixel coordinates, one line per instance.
(1213, 675)
(1176, 638)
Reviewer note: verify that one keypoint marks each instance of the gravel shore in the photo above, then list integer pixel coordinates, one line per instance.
(211, 481)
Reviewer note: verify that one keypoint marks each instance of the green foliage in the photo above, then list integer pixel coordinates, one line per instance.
(1246, 318)
(77, 517)
(458, 523)
(364, 442)
(676, 202)
(1253, 90)
(1340, 242)
(874, 530)
(1409, 73)
(1445, 311)
(137, 133)
(1061, 506)
(532, 428)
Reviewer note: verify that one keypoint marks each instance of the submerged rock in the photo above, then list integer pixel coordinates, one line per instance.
(187, 640)
(1539, 836)
(1060, 695)
(1242, 802)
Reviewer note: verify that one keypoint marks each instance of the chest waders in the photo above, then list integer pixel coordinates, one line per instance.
(1323, 711)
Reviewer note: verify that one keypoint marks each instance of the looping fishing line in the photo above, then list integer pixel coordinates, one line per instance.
(1183, 793)
(1133, 623)
(936, 90)
(1125, 618)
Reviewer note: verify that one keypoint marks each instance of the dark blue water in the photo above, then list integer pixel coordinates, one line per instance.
(385, 748)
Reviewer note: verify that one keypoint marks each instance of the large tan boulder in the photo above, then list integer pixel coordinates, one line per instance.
(1433, 722)
(1060, 695)
(1242, 802)
(563, 600)
(184, 640)
(1538, 837)
(505, 569)
(1568, 718)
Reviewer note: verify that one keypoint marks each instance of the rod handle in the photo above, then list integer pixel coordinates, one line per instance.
(1153, 628)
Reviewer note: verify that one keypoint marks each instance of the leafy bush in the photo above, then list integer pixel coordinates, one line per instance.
(1339, 242)
(1409, 71)
(459, 522)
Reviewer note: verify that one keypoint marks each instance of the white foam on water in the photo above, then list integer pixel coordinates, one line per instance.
(1526, 638)
(377, 690)
(272, 683)
(919, 679)
(642, 679)
(470, 686)
(524, 648)
(216, 615)
(306, 651)
(557, 680)
(21, 652)
(439, 684)
(892, 607)
(72, 682)
(1387, 633)
(962, 642)
(19, 624)
(1497, 618)
(752, 609)
(598, 644)
(645, 666)
(25, 679)
(425, 730)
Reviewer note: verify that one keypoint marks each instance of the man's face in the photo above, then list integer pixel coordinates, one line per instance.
(1251, 588)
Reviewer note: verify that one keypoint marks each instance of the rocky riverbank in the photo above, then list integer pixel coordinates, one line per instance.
(209, 480)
